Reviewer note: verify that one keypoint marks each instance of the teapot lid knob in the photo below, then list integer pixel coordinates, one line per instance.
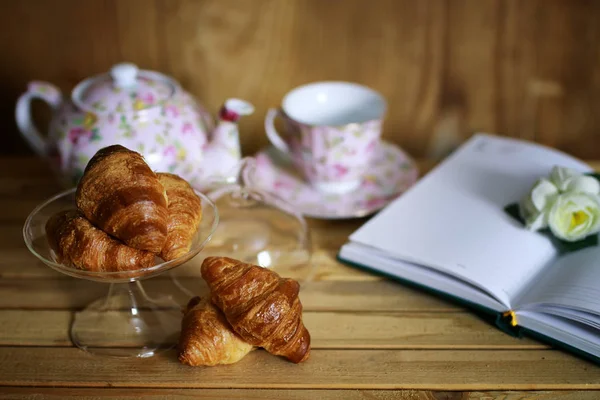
(124, 74)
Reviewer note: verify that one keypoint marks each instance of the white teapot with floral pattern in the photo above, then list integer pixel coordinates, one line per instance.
(144, 111)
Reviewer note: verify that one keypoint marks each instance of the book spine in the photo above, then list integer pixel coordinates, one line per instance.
(507, 323)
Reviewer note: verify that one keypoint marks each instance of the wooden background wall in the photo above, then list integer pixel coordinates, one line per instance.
(528, 68)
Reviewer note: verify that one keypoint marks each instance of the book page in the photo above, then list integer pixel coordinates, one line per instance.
(572, 282)
(454, 220)
(564, 330)
(433, 279)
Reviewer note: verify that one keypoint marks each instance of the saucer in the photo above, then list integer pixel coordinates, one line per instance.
(391, 173)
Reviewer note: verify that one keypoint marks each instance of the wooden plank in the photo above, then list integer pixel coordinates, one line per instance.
(371, 296)
(30, 187)
(452, 330)
(11, 238)
(16, 211)
(24, 167)
(18, 262)
(466, 33)
(326, 369)
(329, 330)
(562, 117)
(35, 328)
(17, 393)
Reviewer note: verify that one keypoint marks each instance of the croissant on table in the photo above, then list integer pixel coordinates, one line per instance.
(185, 214)
(261, 307)
(78, 243)
(207, 338)
(121, 195)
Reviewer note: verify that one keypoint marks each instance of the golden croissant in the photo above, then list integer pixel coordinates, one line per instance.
(121, 195)
(263, 308)
(206, 337)
(185, 214)
(78, 243)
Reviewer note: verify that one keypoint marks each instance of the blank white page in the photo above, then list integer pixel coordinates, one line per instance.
(572, 281)
(454, 220)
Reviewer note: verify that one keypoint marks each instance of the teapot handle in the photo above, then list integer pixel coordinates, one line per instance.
(36, 90)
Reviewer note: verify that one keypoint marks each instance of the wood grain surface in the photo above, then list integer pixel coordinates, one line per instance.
(447, 67)
(329, 330)
(320, 296)
(372, 338)
(16, 393)
(333, 369)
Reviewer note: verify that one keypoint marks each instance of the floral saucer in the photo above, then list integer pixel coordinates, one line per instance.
(391, 173)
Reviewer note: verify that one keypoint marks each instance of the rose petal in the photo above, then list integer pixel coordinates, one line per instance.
(537, 222)
(561, 176)
(584, 184)
(543, 194)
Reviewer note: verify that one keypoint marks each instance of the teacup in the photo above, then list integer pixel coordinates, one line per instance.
(331, 132)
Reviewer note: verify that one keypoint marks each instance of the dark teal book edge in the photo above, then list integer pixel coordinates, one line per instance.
(497, 318)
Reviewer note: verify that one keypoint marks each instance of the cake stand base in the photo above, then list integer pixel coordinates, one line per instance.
(127, 322)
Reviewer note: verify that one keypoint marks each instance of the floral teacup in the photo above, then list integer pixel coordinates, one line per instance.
(331, 132)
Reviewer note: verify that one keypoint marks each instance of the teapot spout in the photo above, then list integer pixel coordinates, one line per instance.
(226, 135)
(233, 109)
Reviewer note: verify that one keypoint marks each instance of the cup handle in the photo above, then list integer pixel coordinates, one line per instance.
(36, 90)
(272, 133)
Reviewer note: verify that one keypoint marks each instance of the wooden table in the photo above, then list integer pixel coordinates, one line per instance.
(372, 338)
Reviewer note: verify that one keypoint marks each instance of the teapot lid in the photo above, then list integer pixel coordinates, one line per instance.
(125, 89)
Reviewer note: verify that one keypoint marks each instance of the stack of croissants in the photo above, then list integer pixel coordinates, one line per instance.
(248, 306)
(126, 215)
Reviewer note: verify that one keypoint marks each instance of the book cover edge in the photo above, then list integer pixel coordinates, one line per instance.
(500, 321)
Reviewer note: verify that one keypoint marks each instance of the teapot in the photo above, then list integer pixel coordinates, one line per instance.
(145, 111)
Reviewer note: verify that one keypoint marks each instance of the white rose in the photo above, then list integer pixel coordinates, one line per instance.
(570, 180)
(536, 206)
(575, 216)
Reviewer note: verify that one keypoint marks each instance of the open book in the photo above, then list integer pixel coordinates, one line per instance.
(450, 233)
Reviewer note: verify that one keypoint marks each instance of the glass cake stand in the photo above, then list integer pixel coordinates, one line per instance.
(260, 228)
(130, 321)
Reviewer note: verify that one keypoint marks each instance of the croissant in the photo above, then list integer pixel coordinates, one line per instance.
(185, 214)
(261, 307)
(78, 243)
(121, 195)
(206, 337)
